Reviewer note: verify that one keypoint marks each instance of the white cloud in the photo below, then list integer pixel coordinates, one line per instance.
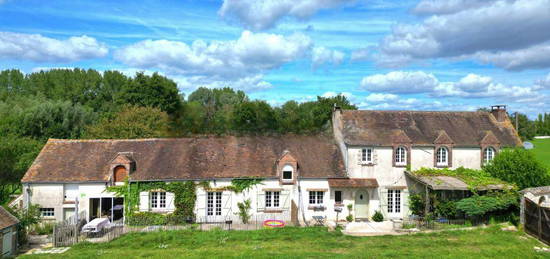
(251, 54)
(381, 97)
(264, 14)
(333, 94)
(322, 55)
(37, 48)
(400, 82)
(495, 32)
(545, 82)
(361, 54)
(428, 7)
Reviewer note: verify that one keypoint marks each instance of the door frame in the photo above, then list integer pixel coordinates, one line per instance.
(367, 199)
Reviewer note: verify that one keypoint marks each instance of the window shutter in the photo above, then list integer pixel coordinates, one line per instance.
(405, 202)
(201, 205)
(170, 206)
(283, 198)
(374, 156)
(260, 202)
(227, 205)
(359, 157)
(144, 201)
(384, 202)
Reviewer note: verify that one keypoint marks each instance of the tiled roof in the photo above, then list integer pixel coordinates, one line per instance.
(185, 158)
(382, 128)
(352, 183)
(6, 219)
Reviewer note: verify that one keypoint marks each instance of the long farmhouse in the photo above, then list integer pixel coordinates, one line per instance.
(362, 163)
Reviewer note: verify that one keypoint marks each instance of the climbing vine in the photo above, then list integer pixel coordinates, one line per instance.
(184, 201)
(473, 178)
(239, 185)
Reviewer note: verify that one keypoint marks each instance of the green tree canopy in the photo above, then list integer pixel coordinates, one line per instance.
(520, 167)
(130, 123)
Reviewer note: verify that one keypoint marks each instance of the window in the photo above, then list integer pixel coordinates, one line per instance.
(400, 156)
(442, 156)
(272, 199)
(158, 200)
(287, 172)
(338, 196)
(47, 212)
(316, 197)
(214, 203)
(394, 201)
(488, 154)
(366, 155)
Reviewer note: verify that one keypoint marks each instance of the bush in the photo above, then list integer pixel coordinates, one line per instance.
(416, 204)
(148, 219)
(43, 229)
(481, 205)
(349, 218)
(520, 167)
(243, 213)
(446, 209)
(378, 217)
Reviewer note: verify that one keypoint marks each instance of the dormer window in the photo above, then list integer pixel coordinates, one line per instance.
(442, 157)
(120, 173)
(488, 154)
(288, 172)
(400, 156)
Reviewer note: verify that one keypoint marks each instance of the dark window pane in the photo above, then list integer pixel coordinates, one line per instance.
(338, 196)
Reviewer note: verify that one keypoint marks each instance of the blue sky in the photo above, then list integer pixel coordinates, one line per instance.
(421, 55)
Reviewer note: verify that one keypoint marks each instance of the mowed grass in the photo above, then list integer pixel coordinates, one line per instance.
(309, 242)
(542, 150)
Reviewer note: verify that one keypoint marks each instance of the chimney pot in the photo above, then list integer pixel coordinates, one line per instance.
(499, 112)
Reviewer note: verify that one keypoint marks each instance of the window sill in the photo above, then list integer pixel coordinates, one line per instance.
(400, 165)
(338, 204)
(273, 211)
(316, 207)
(367, 164)
(442, 166)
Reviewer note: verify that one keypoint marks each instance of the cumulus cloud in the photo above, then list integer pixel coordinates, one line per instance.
(264, 14)
(333, 94)
(322, 55)
(537, 56)
(383, 87)
(545, 82)
(483, 33)
(381, 97)
(252, 53)
(37, 48)
(400, 82)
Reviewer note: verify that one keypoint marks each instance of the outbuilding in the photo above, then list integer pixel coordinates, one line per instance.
(8, 233)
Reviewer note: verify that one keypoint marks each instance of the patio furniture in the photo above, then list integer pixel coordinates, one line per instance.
(319, 220)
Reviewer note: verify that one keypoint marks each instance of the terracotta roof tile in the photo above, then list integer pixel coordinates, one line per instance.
(366, 127)
(6, 219)
(185, 158)
(352, 183)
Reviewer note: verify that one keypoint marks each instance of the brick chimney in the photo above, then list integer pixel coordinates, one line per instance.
(499, 112)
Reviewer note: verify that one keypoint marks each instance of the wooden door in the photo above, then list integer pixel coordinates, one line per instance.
(361, 205)
(120, 174)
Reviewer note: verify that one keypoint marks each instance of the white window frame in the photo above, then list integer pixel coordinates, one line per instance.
(47, 212)
(273, 199)
(316, 197)
(157, 200)
(287, 168)
(400, 156)
(367, 155)
(394, 201)
(442, 158)
(213, 203)
(488, 154)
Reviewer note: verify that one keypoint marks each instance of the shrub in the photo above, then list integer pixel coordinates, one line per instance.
(378, 217)
(520, 167)
(446, 209)
(243, 213)
(416, 204)
(147, 219)
(349, 218)
(43, 229)
(481, 205)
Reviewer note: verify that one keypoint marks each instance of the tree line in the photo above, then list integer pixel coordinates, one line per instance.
(528, 128)
(78, 103)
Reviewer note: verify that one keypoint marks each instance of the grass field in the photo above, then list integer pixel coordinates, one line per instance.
(542, 150)
(309, 242)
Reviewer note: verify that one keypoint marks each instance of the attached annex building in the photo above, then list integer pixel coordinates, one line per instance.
(362, 164)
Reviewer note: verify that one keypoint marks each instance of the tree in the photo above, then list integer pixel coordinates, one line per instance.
(130, 123)
(255, 116)
(27, 217)
(16, 155)
(53, 119)
(152, 91)
(527, 129)
(520, 167)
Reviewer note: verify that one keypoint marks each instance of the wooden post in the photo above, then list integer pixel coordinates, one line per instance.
(427, 203)
(540, 221)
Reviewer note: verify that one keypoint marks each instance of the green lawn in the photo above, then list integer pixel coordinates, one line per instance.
(542, 150)
(310, 242)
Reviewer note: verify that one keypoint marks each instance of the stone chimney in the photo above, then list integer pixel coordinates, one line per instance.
(499, 112)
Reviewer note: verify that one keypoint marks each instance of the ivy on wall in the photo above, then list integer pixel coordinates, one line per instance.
(473, 178)
(184, 201)
(185, 196)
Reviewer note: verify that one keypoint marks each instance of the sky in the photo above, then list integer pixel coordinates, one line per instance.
(384, 55)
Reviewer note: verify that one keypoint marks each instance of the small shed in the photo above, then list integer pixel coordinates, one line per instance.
(535, 212)
(8, 233)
